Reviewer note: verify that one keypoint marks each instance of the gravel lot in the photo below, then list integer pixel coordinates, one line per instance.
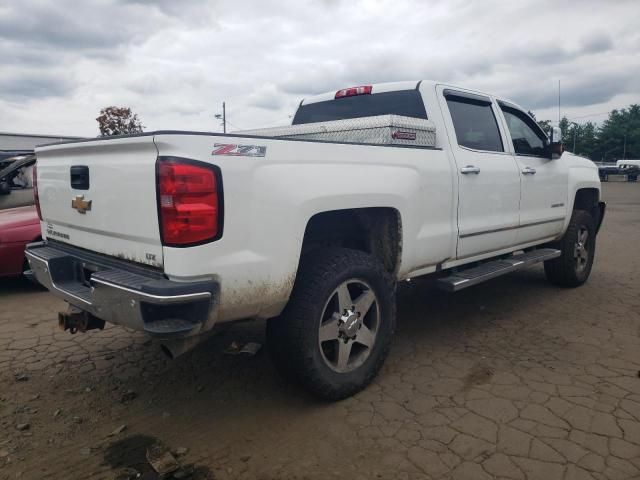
(512, 379)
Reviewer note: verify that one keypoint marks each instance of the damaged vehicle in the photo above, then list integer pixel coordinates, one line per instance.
(18, 227)
(16, 182)
(311, 226)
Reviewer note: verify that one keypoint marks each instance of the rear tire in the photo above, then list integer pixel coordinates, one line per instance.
(578, 246)
(335, 332)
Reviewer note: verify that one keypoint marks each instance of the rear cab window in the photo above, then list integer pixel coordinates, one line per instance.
(407, 103)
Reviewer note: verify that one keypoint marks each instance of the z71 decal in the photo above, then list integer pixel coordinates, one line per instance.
(233, 150)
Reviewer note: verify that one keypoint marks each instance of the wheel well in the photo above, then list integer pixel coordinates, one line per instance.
(587, 199)
(377, 231)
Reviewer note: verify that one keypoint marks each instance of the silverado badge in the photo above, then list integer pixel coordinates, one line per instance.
(80, 204)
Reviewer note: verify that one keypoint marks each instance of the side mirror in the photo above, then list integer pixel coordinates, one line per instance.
(5, 188)
(556, 146)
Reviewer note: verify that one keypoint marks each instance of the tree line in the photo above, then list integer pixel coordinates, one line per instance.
(616, 138)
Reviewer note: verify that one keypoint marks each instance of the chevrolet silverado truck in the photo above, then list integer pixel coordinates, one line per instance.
(311, 226)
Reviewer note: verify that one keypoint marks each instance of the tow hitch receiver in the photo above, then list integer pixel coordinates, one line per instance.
(76, 320)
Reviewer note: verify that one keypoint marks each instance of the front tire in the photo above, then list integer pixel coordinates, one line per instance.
(336, 330)
(578, 245)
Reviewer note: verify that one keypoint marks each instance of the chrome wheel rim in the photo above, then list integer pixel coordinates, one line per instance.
(349, 326)
(580, 250)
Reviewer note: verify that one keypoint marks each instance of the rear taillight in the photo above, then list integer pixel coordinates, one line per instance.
(352, 91)
(34, 174)
(189, 202)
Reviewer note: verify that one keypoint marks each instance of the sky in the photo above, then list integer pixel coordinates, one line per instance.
(175, 61)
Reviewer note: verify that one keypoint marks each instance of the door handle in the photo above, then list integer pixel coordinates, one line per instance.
(529, 171)
(470, 169)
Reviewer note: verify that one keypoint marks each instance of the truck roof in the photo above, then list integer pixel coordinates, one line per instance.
(396, 86)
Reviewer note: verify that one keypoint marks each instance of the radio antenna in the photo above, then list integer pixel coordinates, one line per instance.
(559, 118)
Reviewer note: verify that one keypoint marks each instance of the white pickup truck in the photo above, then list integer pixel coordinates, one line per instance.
(310, 226)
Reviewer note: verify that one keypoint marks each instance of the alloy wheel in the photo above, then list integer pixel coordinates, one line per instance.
(349, 325)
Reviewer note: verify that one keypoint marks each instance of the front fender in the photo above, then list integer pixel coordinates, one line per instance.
(583, 174)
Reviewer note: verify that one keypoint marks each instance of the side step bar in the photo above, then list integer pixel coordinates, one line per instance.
(492, 269)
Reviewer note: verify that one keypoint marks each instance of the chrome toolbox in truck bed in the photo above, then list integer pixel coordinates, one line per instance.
(381, 129)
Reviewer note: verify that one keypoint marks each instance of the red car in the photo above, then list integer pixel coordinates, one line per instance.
(18, 226)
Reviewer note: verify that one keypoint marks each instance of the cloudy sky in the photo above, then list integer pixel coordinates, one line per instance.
(175, 61)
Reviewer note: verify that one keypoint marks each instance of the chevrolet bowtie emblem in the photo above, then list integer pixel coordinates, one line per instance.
(80, 204)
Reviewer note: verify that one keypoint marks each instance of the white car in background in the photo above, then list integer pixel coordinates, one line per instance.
(630, 168)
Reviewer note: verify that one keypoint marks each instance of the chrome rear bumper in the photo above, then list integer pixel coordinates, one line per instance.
(118, 292)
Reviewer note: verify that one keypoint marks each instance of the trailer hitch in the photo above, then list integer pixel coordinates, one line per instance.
(77, 320)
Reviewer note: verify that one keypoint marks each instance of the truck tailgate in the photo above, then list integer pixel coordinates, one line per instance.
(113, 210)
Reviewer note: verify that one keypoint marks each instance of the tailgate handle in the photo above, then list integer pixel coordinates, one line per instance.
(80, 177)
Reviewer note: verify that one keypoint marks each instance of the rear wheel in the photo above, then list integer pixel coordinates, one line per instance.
(336, 330)
(578, 246)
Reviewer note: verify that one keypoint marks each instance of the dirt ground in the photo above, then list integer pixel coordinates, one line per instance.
(511, 379)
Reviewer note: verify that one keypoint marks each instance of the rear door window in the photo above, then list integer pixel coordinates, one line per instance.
(475, 124)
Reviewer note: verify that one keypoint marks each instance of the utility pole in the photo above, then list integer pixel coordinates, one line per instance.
(624, 148)
(223, 117)
(604, 157)
(575, 130)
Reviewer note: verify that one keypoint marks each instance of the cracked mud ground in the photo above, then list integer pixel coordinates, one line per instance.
(511, 379)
